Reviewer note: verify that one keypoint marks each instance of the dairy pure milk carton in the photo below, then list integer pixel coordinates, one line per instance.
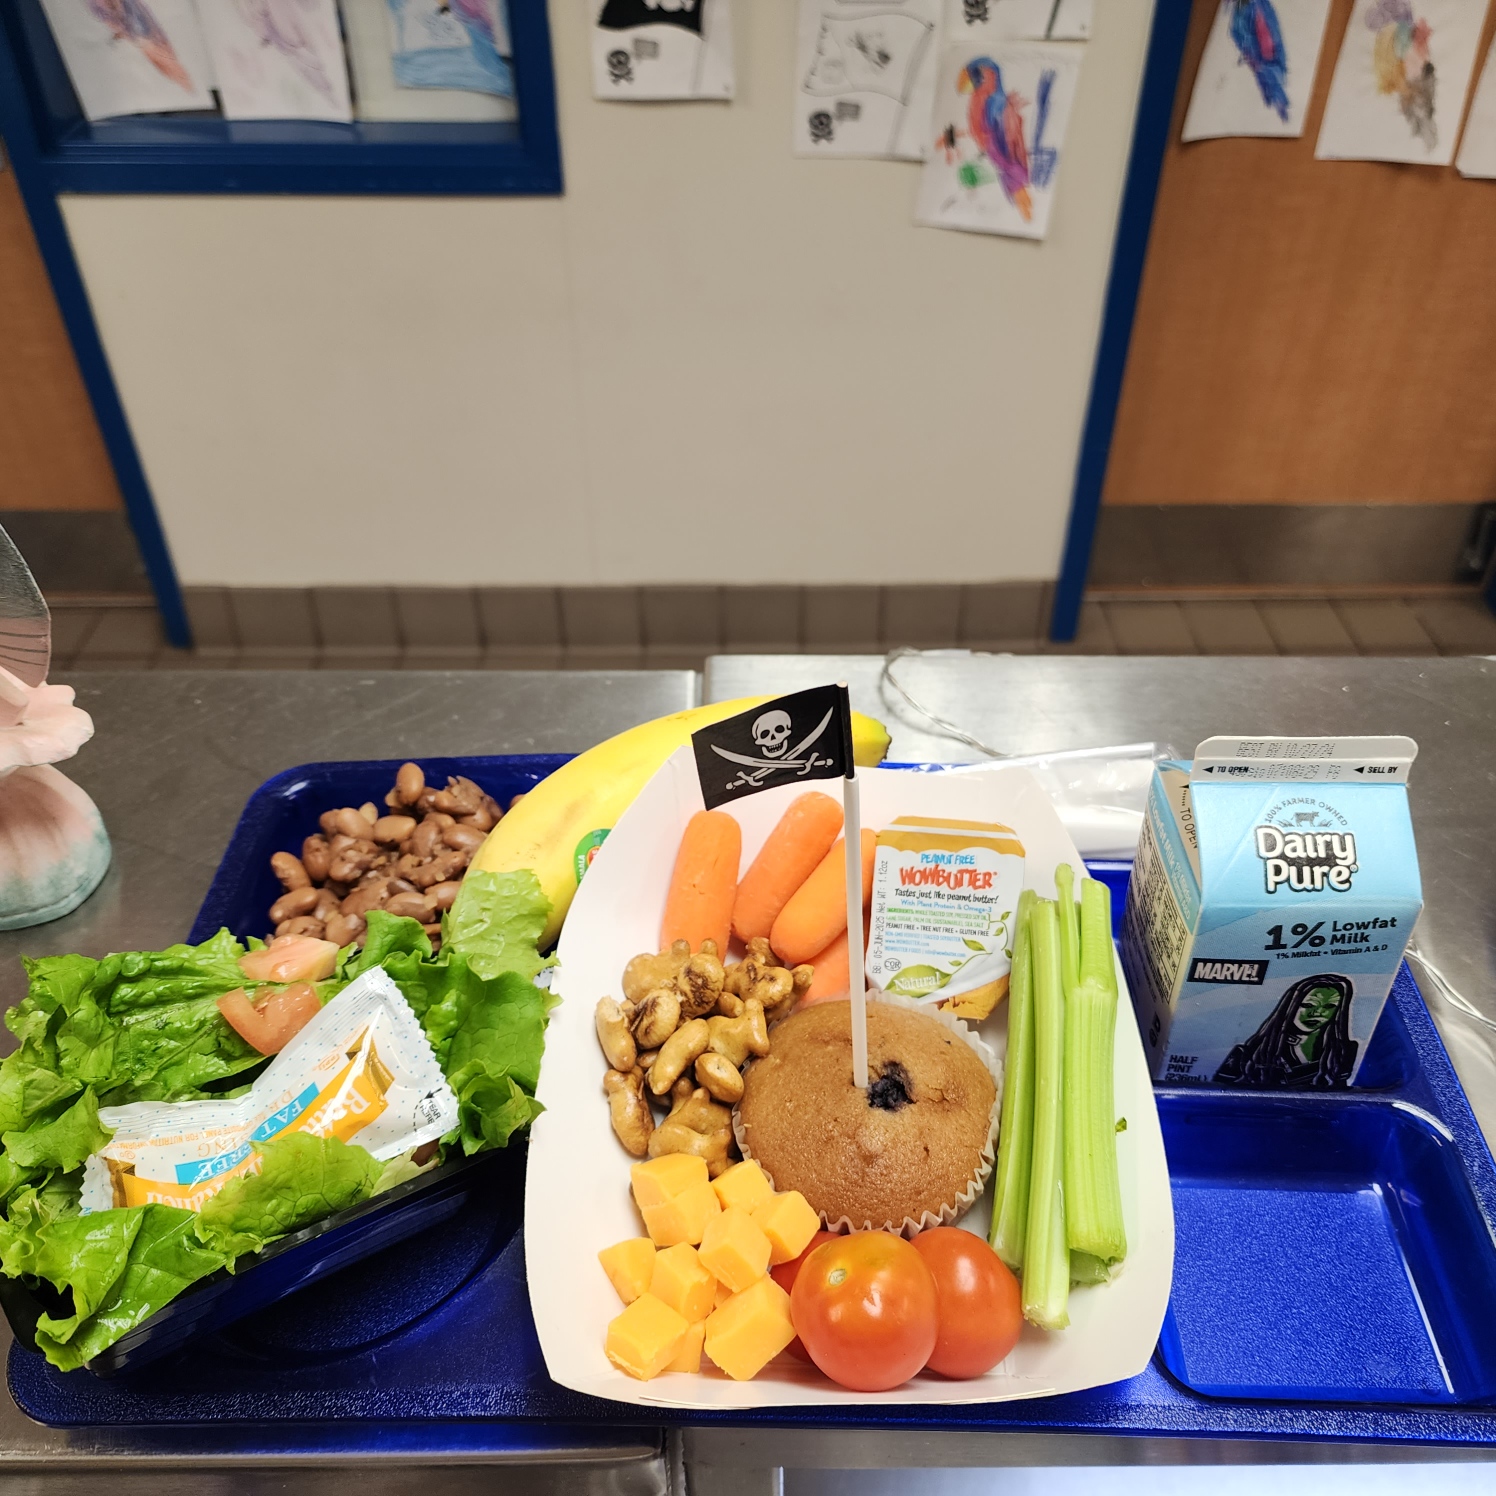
(1275, 886)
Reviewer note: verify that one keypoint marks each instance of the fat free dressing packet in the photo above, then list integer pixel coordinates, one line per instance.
(362, 1070)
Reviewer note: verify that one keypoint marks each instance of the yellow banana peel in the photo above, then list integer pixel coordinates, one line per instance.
(556, 829)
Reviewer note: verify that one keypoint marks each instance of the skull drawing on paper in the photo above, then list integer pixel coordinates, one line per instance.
(772, 733)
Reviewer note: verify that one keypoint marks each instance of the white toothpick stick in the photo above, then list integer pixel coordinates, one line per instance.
(852, 826)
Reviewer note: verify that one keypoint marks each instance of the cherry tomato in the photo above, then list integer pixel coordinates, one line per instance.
(786, 1273)
(981, 1309)
(865, 1307)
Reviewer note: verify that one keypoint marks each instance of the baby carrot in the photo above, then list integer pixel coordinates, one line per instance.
(705, 880)
(833, 978)
(817, 911)
(795, 846)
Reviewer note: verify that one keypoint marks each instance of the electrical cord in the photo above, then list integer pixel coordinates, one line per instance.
(887, 677)
(1446, 989)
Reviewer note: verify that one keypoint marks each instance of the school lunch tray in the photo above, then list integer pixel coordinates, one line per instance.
(1335, 1271)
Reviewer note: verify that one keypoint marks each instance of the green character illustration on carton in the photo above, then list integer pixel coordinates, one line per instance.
(1305, 1043)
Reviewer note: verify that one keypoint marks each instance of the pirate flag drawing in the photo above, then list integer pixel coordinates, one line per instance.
(1305, 1043)
(624, 15)
(793, 738)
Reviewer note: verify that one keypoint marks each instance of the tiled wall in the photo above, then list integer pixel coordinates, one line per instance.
(603, 627)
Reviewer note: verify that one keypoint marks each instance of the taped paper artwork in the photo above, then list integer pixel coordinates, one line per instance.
(132, 56)
(1257, 73)
(867, 78)
(998, 132)
(1401, 80)
(278, 59)
(662, 49)
(461, 44)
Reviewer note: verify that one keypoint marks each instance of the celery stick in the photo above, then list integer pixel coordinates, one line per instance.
(1046, 1253)
(1093, 1195)
(1015, 1139)
(1064, 885)
(1085, 1268)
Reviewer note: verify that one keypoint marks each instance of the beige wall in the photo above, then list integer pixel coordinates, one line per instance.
(708, 361)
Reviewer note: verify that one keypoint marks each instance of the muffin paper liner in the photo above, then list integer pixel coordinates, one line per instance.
(948, 1215)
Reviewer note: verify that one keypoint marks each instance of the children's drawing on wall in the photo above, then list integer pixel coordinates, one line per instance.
(866, 76)
(132, 56)
(998, 133)
(662, 49)
(1400, 81)
(1020, 20)
(451, 44)
(1257, 72)
(278, 59)
(1477, 156)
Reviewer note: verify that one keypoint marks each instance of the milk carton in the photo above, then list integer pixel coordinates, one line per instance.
(1275, 886)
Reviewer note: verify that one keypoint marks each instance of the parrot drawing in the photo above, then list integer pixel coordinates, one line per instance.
(277, 23)
(1259, 41)
(994, 120)
(1403, 64)
(132, 21)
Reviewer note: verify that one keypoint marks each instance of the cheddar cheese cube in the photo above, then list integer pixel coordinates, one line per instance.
(662, 1179)
(749, 1330)
(629, 1266)
(789, 1223)
(683, 1217)
(682, 1282)
(722, 1294)
(688, 1357)
(745, 1185)
(645, 1338)
(735, 1250)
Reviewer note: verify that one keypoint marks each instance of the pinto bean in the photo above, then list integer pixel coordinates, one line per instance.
(462, 838)
(316, 858)
(352, 823)
(442, 895)
(362, 900)
(409, 783)
(425, 839)
(389, 829)
(290, 871)
(345, 928)
(303, 924)
(410, 906)
(297, 901)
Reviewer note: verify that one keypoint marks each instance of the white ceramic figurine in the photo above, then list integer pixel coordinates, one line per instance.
(54, 850)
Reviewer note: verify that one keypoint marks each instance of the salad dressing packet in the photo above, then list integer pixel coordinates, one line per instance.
(944, 893)
(362, 1070)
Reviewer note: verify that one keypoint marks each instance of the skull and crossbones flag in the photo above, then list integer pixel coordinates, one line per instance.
(785, 741)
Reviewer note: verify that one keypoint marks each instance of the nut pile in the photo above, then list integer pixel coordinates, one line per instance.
(409, 861)
(679, 1040)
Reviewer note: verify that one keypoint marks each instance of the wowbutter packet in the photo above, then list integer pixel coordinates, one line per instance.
(362, 1070)
(944, 893)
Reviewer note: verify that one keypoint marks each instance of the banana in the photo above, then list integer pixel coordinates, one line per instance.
(556, 829)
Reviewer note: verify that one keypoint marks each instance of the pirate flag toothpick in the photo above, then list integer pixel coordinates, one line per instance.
(787, 741)
(804, 736)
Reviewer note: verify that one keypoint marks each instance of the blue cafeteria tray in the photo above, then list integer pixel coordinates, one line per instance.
(1335, 1275)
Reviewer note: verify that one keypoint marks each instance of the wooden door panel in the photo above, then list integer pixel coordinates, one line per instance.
(1309, 332)
(51, 453)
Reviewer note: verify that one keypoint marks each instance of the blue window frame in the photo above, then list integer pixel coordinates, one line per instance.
(202, 153)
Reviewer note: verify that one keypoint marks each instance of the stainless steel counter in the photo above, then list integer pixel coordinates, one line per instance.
(177, 755)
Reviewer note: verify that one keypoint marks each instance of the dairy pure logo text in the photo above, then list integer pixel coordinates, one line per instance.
(1306, 861)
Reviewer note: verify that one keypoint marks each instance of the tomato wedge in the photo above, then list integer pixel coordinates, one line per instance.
(291, 958)
(275, 1021)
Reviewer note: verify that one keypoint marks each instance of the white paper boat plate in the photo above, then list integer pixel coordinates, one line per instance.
(578, 1200)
